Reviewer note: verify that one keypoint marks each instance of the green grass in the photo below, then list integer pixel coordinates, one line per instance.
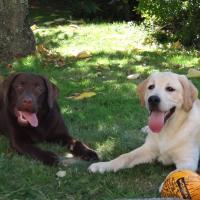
(109, 122)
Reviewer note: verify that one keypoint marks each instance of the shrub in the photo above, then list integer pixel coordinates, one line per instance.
(181, 17)
(104, 9)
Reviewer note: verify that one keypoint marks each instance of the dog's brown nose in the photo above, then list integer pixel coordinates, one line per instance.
(27, 100)
(27, 103)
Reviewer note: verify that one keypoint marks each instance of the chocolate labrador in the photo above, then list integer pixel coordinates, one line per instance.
(29, 113)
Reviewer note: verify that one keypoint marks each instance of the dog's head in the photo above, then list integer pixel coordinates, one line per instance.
(26, 95)
(163, 93)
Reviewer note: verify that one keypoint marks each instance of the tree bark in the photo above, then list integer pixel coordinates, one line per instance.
(16, 37)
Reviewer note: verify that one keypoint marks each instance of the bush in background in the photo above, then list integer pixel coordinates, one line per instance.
(181, 17)
(94, 9)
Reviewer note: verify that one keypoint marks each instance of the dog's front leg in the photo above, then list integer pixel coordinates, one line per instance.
(186, 157)
(77, 148)
(143, 154)
(46, 157)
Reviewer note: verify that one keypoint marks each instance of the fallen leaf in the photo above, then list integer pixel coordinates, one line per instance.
(177, 45)
(50, 57)
(193, 73)
(83, 54)
(158, 53)
(42, 49)
(61, 174)
(74, 26)
(133, 76)
(48, 23)
(34, 27)
(136, 50)
(85, 95)
(81, 96)
(81, 21)
(59, 20)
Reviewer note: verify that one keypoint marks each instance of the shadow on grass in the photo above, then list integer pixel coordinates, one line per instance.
(52, 40)
(41, 16)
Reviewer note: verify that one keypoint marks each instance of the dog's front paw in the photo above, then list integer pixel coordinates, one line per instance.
(100, 167)
(83, 151)
(90, 155)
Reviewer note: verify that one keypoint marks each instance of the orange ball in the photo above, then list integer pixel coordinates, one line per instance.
(184, 184)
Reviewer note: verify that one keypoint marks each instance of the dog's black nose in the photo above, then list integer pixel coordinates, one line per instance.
(154, 100)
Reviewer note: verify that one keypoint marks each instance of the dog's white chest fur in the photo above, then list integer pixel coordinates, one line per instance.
(164, 149)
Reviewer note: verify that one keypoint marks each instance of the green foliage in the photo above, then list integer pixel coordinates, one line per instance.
(104, 9)
(180, 17)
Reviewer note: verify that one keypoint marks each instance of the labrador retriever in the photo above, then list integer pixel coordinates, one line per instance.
(29, 114)
(173, 125)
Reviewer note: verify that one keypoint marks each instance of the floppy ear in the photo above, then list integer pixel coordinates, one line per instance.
(141, 91)
(7, 86)
(52, 91)
(190, 92)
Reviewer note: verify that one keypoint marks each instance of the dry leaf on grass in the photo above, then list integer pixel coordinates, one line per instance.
(83, 95)
(133, 76)
(50, 57)
(136, 50)
(81, 21)
(193, 73)
(83, 54)
(59, 20)
(177, 45)
(40, 48)
(34, 27)
(74, 26)
(48, 23)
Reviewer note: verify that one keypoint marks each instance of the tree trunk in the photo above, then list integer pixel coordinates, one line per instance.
(16, 37)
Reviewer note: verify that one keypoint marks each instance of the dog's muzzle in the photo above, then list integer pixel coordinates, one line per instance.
(154, 102)
(157, 117)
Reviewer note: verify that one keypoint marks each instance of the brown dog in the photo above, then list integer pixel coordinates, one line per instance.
(29, 113)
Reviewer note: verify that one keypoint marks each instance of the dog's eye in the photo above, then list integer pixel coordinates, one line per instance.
(39, 88)
(170, 89)
(151, 87)
(22, 83)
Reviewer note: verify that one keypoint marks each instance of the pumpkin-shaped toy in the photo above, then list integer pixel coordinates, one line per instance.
(183, 184)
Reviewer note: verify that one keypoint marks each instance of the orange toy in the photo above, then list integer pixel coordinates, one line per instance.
(183, 184)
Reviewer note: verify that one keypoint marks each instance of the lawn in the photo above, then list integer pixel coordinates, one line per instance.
(109, 122)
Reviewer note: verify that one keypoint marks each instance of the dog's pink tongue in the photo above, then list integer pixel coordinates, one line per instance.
(156, 121)
(31, 118)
